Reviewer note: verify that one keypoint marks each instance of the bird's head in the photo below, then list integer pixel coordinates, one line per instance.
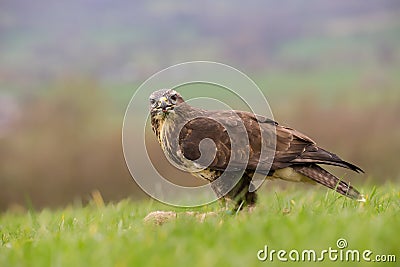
(164, 101)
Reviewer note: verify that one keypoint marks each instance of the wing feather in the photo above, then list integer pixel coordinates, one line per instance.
(292, 147)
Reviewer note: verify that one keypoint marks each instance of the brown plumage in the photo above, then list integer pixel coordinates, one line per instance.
(287, 154)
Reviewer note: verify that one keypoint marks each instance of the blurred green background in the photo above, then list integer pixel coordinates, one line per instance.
(69, 68)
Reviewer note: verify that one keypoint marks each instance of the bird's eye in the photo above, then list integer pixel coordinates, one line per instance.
(173, 97)
(152, 101)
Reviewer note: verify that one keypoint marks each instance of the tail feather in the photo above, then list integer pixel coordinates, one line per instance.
(318, 155)
(329, 180)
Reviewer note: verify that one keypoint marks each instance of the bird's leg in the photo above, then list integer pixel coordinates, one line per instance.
(239, 195)
(224, 200)
(251, 199)
(248, 200)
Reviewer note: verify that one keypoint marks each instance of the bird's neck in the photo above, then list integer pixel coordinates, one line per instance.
(174, 119)
(158, 121)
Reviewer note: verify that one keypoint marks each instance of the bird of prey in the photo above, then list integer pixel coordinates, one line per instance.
(290, 155)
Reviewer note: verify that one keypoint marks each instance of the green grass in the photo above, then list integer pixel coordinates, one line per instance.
(115, 234)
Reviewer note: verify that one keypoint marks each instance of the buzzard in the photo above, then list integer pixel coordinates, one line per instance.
(236, 147)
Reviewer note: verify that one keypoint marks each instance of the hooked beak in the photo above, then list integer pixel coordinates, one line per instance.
(163, 104)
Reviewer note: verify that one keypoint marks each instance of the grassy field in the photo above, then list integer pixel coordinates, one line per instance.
(116, 235)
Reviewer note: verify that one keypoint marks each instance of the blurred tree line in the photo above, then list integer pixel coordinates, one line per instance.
(66, 144)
